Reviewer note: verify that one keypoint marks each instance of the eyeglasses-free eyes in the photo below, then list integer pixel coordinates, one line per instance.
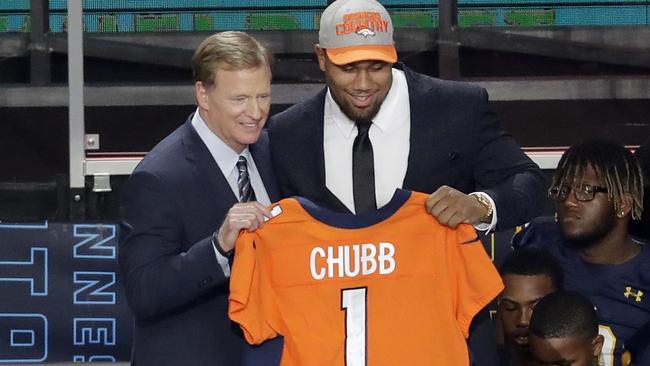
(583, 193)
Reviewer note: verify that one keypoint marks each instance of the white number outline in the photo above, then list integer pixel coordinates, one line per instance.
(354, 302)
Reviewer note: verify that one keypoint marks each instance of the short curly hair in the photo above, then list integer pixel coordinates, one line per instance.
(564, 314)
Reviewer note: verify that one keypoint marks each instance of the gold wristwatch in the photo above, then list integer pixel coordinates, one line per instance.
(485, 202)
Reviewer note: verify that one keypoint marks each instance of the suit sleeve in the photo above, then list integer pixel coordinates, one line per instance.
(158, 273)
(474, 279)
(502, 170)
(250, 303)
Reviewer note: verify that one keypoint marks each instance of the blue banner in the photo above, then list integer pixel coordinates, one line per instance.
(62, 301)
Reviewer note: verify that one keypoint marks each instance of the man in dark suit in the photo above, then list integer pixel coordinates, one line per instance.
(185, 204)
(426, 134)
(378, 126)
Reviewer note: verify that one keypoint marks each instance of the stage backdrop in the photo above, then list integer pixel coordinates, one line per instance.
(61, 296)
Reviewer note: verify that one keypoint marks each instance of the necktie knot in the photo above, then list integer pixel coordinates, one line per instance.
(242, 164)
(363, 126)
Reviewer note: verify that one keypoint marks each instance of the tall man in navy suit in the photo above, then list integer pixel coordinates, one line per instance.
(186, 202)
(378, 126)
(427, 134)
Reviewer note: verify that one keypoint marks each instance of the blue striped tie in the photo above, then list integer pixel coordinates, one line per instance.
(246, 192)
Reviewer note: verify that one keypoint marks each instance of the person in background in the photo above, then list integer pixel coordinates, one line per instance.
(185, 204)
(528, 275)
(564, 331)
(598, 189)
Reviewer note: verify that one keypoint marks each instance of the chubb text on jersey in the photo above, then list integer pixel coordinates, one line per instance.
(352, 260)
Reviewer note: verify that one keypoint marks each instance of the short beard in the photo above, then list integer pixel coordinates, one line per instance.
(590, 239)
(353, 114)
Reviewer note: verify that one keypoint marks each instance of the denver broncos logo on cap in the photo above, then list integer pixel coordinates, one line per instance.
(366, 32)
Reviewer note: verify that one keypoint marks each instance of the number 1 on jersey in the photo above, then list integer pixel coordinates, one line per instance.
(354, 302)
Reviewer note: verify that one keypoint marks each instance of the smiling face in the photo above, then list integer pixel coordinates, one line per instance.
(520, 295)
(358, 88)
(584, 224)
(235, 107)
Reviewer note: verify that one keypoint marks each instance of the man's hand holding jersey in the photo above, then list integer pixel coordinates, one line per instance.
(452, 207)
(241, 216)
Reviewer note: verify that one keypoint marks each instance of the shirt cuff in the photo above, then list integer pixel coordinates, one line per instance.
(484, 226)
(223, 261)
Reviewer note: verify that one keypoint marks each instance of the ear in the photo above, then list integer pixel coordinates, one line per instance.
(597, 345)
(322, 57)
(625, 205)
(201, 95)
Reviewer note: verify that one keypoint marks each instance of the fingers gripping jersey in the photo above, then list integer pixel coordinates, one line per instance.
(389, 288)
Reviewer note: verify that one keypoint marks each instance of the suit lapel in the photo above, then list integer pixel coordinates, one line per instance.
(421, 135)
(314, 141)
(206, 170)
(297, 151)
(433, 156)
(262, 156)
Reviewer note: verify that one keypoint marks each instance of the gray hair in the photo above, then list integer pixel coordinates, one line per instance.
(229, 50)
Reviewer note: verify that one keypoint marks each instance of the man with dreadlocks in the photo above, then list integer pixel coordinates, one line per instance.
(641, 228)
(597, 189)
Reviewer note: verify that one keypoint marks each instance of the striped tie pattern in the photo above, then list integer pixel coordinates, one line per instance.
(246, 192)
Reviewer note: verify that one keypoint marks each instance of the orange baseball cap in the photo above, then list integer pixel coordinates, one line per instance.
(357, 30)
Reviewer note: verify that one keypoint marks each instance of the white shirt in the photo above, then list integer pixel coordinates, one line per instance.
(226, 158)
(390, 136)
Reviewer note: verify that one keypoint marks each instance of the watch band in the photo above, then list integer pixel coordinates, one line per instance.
(485, 202)
(215, 242)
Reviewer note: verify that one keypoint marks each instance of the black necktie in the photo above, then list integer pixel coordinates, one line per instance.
(246, 192)
(363, 170)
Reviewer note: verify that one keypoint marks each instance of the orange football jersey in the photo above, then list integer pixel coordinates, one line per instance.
(393, 287)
